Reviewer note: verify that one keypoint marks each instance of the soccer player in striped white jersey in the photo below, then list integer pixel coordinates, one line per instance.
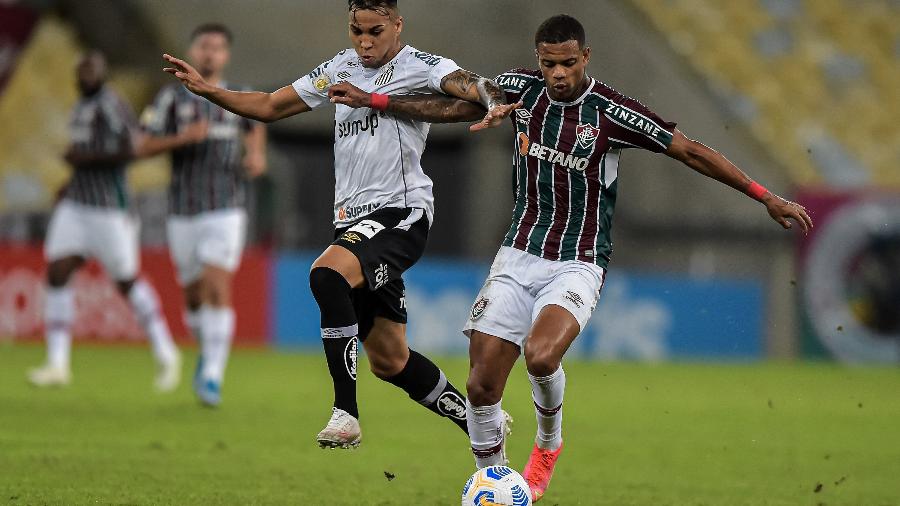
(93, 220)
(214, 154)
(383, 203)
(570, 131)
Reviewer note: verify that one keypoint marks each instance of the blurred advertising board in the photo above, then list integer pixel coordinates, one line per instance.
(850, 265)
(639, 317)
(16, 25)
(105, 317)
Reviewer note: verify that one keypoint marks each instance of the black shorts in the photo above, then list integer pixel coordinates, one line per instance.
(387, 242)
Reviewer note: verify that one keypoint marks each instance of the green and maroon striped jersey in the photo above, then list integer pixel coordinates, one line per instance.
(566, 162)
(101, 125)
(208, 175)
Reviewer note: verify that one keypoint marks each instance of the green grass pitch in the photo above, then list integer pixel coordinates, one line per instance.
(682, 434)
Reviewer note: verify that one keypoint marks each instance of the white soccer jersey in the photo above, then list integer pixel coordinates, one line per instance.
(377, 157)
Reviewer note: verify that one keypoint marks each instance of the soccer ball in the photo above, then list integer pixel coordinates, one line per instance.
(496, 486)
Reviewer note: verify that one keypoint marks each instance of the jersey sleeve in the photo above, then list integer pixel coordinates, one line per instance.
(514, 82)
(313, 87)
(427, 71)
(634, 125)
(159, 117)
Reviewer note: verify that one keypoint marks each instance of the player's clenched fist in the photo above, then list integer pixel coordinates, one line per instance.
(188, 75)
(349, 95)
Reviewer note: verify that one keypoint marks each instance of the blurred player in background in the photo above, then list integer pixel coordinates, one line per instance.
(546, 279)
(214, 152)
(92, 220)
(383, 208)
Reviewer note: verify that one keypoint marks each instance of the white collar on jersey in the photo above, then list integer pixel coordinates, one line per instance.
(372, 71)
(576, 101)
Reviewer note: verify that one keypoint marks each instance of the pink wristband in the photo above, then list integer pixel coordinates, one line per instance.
(380, 102)
(756, 191)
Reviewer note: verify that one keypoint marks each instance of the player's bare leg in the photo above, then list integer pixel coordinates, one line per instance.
(391, 360)
(490, 361)
(551, 335)
(332, 277)
(59, 313)
(145, 303)
(214, 326)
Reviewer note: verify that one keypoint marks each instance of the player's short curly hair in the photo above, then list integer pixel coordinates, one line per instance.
(372, 5)
(560, 28)
(218, 28)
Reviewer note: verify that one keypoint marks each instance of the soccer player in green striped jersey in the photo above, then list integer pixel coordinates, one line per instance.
(570, 130)
(94, 219)
(215, 153)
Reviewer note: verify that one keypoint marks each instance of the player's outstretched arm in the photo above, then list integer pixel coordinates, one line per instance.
(474, 88)
(711, 163)
(430, 108)
(146, 145)
(256, 105)
(77, 157)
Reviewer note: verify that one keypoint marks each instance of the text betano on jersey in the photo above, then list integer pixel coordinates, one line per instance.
(586, 135)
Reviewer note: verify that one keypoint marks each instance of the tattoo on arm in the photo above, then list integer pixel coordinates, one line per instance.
(460, 83)
(470, 86)
(434, 108)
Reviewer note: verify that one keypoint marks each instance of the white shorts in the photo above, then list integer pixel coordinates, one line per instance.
(213, 238)
(108, 235)
(520, 285)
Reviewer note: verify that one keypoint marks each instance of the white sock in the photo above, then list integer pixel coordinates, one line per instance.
(486, 433)
(217, 330)
(59, 312)
(192, 318)
(547, 392)
(145, 303)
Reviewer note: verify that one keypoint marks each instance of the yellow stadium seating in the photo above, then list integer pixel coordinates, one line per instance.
(38, 101)
(806, 65)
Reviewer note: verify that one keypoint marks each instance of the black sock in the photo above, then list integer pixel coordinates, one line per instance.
(426, 384)
(339, 331)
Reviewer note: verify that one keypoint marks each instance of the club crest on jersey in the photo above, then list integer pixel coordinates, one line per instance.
(385, 76)
(478, 308)
(586, 135)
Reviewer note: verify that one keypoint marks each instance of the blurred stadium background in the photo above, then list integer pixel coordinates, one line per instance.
(802, 94)
(799, 93)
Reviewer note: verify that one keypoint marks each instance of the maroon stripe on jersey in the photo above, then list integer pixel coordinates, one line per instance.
(591, 226)
(532, 201)
(553, 241)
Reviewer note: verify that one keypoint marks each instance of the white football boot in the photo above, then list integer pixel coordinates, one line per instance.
(168, 376)
(342, 431)
(50, 376)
